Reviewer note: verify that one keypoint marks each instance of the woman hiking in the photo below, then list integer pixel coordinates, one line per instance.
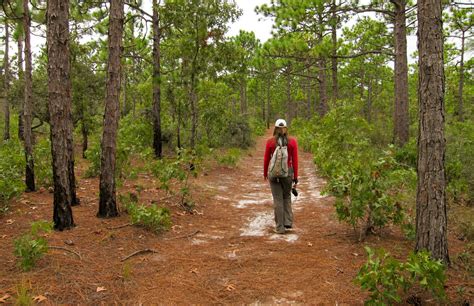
(280, 167)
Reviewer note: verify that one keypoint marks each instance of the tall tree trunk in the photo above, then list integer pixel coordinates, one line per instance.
(28, 111)
(268, 103)
(124, 94)
(59, 93)
(157, 145)
(6, 82)
(461, 79)
(21, 127)
(243, 96)
(431, 219)
(335, 93)
(369, 101)
(85, 138)
(194, 115)
(107, 196)
(323, 100)
(289, 100)
(71, 158)
(400, 114)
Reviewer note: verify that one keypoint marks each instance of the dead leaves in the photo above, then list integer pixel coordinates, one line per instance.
(230, 287)
(100, 289)
(10, 221)
(39, 298)
(4, 298)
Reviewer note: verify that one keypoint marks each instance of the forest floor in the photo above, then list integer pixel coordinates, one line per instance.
(225, 252)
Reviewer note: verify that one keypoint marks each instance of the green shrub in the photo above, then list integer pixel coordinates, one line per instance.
(230, 157)
(156, 219)
(134, 137)
(12, 167)
(31, 246)
(370, 186)
(386, 278)
(460, 161)
(43, 163)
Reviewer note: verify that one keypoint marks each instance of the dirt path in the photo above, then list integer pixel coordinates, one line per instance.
(234, 258)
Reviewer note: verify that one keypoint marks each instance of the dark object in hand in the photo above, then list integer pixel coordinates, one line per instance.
(294, 191)
(295, 181)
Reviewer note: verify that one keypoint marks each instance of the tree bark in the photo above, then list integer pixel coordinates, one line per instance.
(335, 93)
(157, 145)
(431, 219)
(21, 127)
(6, 82)
(85, 138)
(28, 110)
(243, 96)
(400, 114)
(289, 100)
(268, 103)
(461, 79)
(59, 93)
(107, 195)
(323, 100)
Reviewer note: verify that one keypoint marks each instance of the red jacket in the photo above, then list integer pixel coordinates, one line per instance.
(292, 155)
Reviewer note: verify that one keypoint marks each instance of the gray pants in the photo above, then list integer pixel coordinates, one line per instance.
(281, 191)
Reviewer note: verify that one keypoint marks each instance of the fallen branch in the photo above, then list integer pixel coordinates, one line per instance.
(138, 253)
(185, 236)
(67, 250)
(120, 226)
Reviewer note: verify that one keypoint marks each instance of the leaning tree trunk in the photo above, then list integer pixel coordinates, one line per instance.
(28, 106)
(59, 93)
(400, 113)
(6, 83)
(431, 220)
(157, 145)
(107, 196)
(21, 127)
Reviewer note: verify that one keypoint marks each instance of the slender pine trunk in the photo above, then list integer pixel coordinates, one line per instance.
(28, 110)
(6, 82)
(59, 93)
(431, 218)
(107, 189)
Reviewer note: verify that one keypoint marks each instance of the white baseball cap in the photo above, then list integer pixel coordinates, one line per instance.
(280, 123)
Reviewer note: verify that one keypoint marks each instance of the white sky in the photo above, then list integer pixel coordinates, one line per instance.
(249, 21)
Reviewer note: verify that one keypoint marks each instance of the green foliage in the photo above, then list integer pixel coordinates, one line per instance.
(153, 218)
(32, 246)
(369, 184)
(134, 137)
(12, 165)
(385, 277)
(177, 170)
(460, 161)
(43, 163)
(230, 157)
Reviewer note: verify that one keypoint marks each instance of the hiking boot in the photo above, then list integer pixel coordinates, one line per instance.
(278, 232)
(288, 227)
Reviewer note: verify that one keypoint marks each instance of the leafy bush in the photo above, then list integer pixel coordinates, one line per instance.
(231, 157)
(460, 161)
(12, 166)
(156, 219)
(31, 246)
(370, 186)
(134, 137)
(385, 277)
(43, 163)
